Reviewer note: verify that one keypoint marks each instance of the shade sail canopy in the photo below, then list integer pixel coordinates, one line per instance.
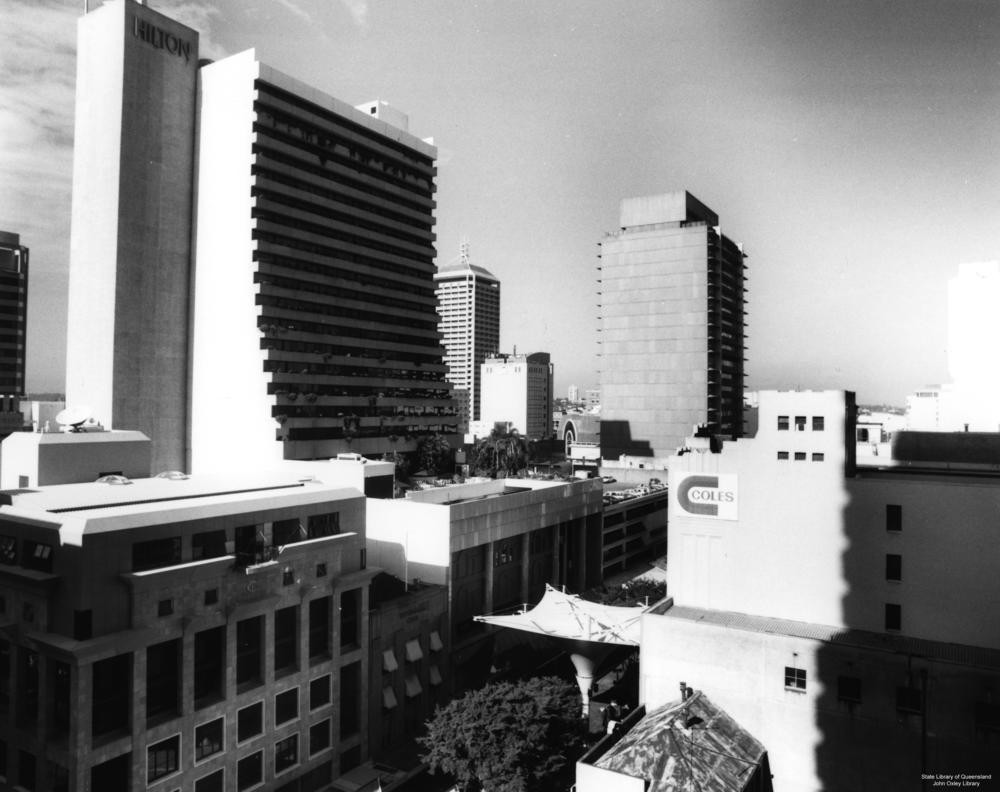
(562, 615)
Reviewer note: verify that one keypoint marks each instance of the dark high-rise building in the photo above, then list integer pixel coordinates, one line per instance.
(672, 327)
(13, 329)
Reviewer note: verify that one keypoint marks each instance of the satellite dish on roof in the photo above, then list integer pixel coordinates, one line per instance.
(73, 417)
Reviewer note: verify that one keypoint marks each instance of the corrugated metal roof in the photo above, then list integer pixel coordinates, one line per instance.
(687, 745)
(886, 642)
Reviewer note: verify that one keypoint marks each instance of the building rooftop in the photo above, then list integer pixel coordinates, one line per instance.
(886, 642)
(689, 744)
(97, 507)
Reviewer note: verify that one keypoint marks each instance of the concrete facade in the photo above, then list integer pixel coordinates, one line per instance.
(130, 245)
(38, 459)
(517, 390)
(203, 634)
(859, 601)
(672, 327)
(494, 545)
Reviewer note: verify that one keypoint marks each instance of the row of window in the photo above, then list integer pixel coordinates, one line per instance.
(33, 555)
(818, 423)
(908, 698)
(800, 456)
(248, 540)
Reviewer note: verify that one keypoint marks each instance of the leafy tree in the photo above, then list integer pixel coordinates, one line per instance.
(435, 455)
(508, 736)
(501, 455)
(402, 463)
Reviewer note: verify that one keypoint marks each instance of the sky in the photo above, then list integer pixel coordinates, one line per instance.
(851, 146)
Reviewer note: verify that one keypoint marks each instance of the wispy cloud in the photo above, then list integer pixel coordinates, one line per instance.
(358, 10)
(297, 10)
(198, 16)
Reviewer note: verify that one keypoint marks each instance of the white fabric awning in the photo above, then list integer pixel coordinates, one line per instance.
(435, 675)
(413, 651)
(567, 616)
(413, 686)
(389, 698)
(435, 643)
(389, 663)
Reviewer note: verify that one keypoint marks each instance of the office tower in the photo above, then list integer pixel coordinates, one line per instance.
(517, 390)
(130, 246)
(210, 631)
(573, 394)
(672, 327)
(469, 307)
(305, 324)
(13, 329)
(315, 320)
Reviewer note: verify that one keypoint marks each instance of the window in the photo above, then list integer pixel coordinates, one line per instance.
(250, 771)
(3, 760)
(782, 455)
(893, 567)
(286, 638)
(83, 627)
(209, 544)
(800, 423)
(324, 525)
(818, 423)
(893, 616)
(908, 699)
(156, 553)
(248, 636)
(319, 692)
(211, 596)
(162, 758)
(350, 616)
(209, 651)
(987, 716)
(208, 739)
(37, 556)
(893, 517)
(288, 577)
(8, 550)
(249, 722)
(795, 678)
(319, 627)
(211, 782)
(26, 770)
(162, 678)
(350, 699)
(286, 754)
(849, 689)
(800, 456)
(59, 675)
(321, 569)
(4, 676)
(286, 706)
(165, 607)
(319, 737)
(112, 696)
(285, 532)
(818, 457)
(27, 685)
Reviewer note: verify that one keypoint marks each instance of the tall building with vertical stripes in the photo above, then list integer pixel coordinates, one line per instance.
(251, 274)
(469, 309)
(672, 320)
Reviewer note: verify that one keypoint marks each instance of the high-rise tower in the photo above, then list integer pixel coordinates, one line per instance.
(13, 329)
(672, 327)
(469, 308)
(130, 244)
(315, 321)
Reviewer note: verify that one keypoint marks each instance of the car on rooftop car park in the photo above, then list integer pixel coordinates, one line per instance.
(608, 479)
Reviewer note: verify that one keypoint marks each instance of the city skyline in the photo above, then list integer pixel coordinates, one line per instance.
(848, 147)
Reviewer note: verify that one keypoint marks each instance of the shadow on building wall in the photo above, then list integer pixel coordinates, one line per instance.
(894, 708)
(616, 439)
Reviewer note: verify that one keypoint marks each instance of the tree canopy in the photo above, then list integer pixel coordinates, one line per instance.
(435, 455)
(508, 736)
(501, 455)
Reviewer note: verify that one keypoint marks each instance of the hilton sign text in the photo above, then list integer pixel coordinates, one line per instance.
(161, 39)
